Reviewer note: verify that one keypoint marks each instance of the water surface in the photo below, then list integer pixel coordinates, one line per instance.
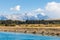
(22, 36)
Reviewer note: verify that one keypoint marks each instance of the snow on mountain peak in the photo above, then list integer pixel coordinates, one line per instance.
(25, 16)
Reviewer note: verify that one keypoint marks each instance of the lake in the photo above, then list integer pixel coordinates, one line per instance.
(22, 36)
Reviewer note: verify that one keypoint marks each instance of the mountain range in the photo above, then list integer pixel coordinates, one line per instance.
(23, 17)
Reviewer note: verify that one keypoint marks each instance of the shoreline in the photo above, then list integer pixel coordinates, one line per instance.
(38, 31)
(29, 34)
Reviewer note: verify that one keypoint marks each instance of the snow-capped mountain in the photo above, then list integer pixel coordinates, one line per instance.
(23, 17)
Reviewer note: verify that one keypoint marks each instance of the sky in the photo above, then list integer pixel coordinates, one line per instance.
(51, 8)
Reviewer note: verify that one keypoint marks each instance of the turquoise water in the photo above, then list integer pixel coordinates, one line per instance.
(21, 36)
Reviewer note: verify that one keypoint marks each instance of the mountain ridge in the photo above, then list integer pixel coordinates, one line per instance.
(23, 17)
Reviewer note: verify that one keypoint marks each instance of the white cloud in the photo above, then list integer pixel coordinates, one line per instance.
(43, 14)
(28, 15)
(16, 8)
(41, 11)
(53, 7)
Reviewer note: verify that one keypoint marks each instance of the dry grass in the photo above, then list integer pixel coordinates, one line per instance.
(39, 25)
(49, 29)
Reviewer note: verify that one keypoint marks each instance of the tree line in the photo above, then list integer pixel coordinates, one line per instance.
(18, 22)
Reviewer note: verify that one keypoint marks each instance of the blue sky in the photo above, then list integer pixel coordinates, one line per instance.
(9, 6)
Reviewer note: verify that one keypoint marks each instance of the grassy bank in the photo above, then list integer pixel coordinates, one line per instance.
(34, 29)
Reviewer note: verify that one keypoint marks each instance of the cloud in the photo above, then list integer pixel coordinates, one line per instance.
(36, 14)
(40, 11)
(16, 8)
(53, 8)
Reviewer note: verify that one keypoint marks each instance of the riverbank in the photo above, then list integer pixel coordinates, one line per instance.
(54, 31)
